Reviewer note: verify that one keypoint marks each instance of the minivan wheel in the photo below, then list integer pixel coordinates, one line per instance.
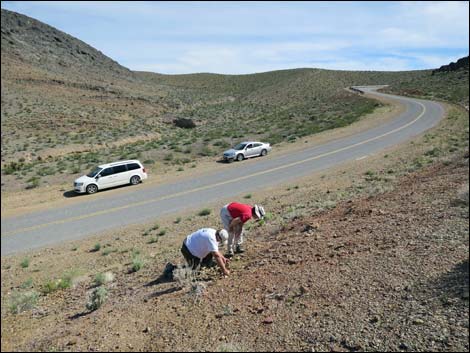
(264, 152)
(135, 180)
(240, 157)
(91, 189)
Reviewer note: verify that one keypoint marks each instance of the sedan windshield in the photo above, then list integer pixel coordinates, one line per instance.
(95, 171)
(240, 146)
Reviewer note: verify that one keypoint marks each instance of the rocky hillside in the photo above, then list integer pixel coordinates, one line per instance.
(448, 83)
(28, 42)
(462, 63)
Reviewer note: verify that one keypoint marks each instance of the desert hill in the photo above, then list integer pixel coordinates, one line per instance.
(66, 106)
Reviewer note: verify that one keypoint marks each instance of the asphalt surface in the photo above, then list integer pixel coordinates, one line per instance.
(101, 212)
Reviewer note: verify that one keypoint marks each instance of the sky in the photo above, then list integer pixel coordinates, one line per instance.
(249, 37)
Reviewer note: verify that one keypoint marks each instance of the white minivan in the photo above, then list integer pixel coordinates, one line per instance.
(109, 175)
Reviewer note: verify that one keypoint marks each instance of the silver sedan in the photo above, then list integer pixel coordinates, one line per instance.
(247, 149)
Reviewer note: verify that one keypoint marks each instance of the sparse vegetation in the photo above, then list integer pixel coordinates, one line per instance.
(25, 263)
(152, 240)
(66, 281)
(187, 278)
(108, 251)
(204, 212)
(103, 278)
(22, 301)
(137, 262)
(97, 298)
(96, 247)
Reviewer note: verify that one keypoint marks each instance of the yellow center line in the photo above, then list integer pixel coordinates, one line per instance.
(141, 203)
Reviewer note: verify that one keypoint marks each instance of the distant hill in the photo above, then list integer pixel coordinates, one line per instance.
(462, 63)
(26, 41)
(449, 83)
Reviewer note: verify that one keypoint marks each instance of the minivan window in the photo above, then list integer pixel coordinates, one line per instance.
(133, 166)
(95, 171)
(120, 168)
(107, 171)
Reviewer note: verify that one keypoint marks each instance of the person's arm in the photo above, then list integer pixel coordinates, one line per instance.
(221, 261)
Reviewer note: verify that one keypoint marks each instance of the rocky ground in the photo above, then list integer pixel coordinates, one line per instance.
(371, 256)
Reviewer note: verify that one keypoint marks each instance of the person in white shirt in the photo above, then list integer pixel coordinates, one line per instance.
(201, 246)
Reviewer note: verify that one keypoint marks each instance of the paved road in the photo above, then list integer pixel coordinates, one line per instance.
(103, 212)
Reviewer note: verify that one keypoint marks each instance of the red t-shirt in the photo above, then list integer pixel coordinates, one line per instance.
(240, 210)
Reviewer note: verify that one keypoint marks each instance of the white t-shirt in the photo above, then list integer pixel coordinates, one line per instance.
(202, 242)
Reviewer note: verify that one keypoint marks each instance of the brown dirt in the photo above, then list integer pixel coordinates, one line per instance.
(347, 261)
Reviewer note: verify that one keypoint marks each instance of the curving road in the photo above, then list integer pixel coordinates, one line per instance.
(90, 217)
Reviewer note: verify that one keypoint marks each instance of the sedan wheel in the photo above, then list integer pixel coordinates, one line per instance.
(91, 189)
(264, 152)
(240, 157)
(135, 180)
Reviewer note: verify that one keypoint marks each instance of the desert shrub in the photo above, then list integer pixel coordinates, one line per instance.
(187, 278)
(229, 347)
(137, 263)
(152, 240)
(49, 287)
(97, 298)
(21, 301)
(66, 281)
(102, 278)
(184, 276)
(12, 167)
(206, 151)
(204, 212)
(108, 251)
(184, 123)
(27, 284)
(34, 183)
(25, 262)
(462, 198)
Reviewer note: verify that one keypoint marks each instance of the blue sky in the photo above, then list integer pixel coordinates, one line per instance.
(249, 37)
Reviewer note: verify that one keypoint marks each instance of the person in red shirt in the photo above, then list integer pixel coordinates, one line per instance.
(234, 216)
